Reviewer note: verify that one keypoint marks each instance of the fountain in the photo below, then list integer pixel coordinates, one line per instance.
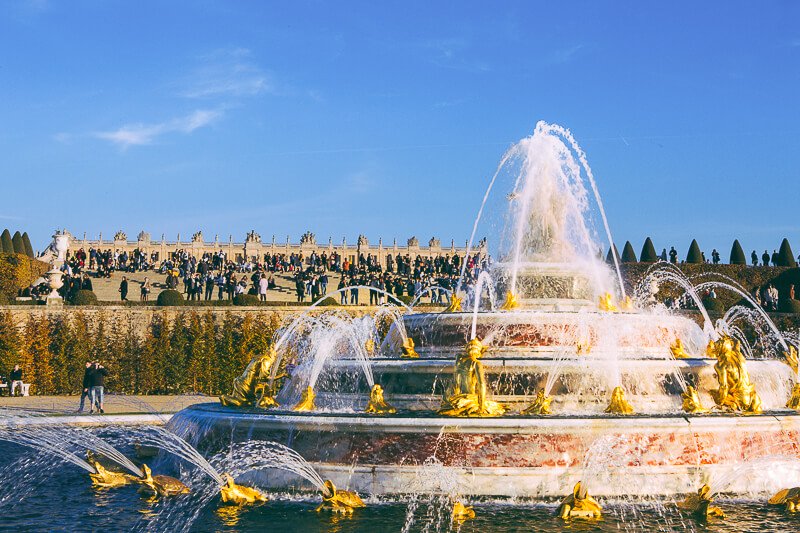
(511, 398)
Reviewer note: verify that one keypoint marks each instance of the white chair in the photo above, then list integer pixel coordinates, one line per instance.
(26, 387)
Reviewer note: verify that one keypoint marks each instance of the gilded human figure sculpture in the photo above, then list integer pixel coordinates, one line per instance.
(510, 302)
(794, 401)
(369, 346)
(691, 401)
(789, 498)
(339, 501)
(234, 494)
(579, 505)
(468, 395)
(377, 404)
(736, 392)
(455, 304)
(699, 504)
(407, 351)
(606, 303)
(251, 388)
(306, 402)
(540, 406)
(619, 405)
(677, 349)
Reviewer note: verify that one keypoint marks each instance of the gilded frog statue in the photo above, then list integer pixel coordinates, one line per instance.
(579, 505)
(468, 395)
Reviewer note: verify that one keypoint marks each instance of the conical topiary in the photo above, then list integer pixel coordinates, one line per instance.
(785, 255)
(694, 255)
(610, 257)
(16, 241)
(628, 255)
(5, 242)
(26, 242)
(648, 254)
(737, 254)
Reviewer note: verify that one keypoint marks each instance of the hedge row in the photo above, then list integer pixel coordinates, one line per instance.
(18, 244)
(189, 352)
(17, 271)
(648, 254)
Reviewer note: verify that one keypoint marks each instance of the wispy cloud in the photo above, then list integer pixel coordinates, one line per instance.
(226, 73)
(140, 134)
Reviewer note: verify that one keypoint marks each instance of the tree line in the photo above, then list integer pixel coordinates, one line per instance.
(188, 352)
(695, 255)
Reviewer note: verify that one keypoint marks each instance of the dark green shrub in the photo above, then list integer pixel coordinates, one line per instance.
(84, 298)
(713, 305)
(245, 299)
(648, 254)
(6, 245)
(26, 242)
(695, 255)
(16, 242)
(610, 257)
(628, 255)
(406, 299)
(737, 254)
(329, 301)
(169, 297)
(786, 256)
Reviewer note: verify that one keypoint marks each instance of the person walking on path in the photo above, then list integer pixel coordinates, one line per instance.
(145, 289)
(97, 383)
(87, 384)
(16, 380)
(123, 289)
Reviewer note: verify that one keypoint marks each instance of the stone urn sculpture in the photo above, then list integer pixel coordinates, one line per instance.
(55, 282)
(61, 240)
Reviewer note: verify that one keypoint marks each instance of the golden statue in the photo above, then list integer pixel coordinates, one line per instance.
(369, 346)
(238, 494)
(678, 352)
(510, 303)
(461, 512)
(583, 347)
(606, 303)
(251, 387)
(691, 401)
(789, 498)
(794, 401)
(106, 478)
(339, 501)
(579, 505)
(455, 304)
(306, 402)
(161, 485)
(790, 358)
(699, 504)
(619, 405)
(540, 406)
(377, 404)
(627, 304)
(407, 351)
(468, 395)
(736, 392)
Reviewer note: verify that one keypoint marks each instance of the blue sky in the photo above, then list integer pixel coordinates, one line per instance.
(388, 118)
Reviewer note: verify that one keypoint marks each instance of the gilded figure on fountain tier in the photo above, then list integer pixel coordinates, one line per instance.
(251, 388)
(736, 392)
(468, 395)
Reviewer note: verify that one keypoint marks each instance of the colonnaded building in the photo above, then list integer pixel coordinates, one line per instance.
(254, 248)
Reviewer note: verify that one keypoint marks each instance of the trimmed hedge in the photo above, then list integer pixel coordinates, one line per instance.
(785, 255)
(648, 254)
(628, 255)
(83, 297)
(6, 245)
(695, 256)
(328, 302)
(737, 254)
(169, 297)
(245, 299)
(16, 242)
(612, 250)
(26, 242)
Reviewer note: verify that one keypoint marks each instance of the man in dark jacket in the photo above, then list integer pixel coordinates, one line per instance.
(87, 384)
(123, 289)
(16, 380)
(96, 390)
